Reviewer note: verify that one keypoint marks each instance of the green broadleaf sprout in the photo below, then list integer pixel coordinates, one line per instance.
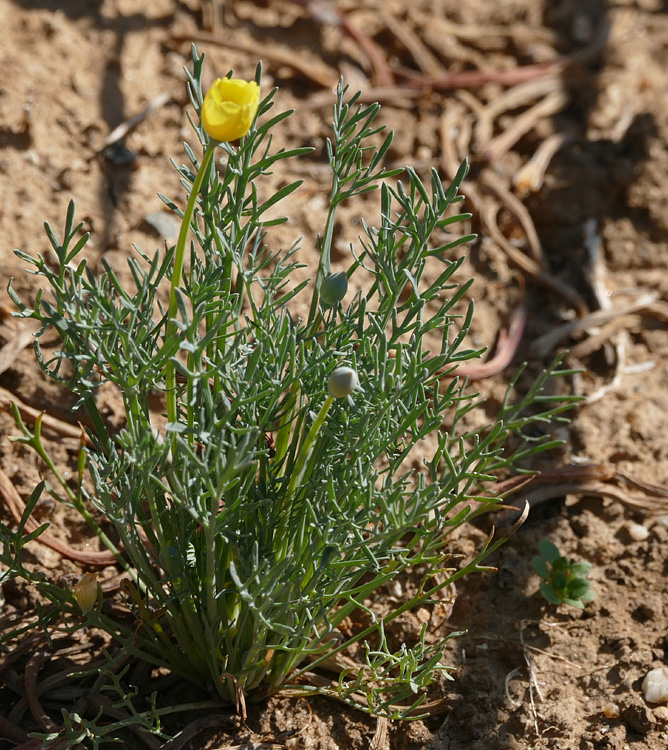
(563, 582)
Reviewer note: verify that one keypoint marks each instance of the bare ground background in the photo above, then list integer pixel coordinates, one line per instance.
(579, 85)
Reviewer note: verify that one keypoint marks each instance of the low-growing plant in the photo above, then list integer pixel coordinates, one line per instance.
(275, 501)
(564, 582)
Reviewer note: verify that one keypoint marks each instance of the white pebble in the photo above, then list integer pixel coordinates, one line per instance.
(637, 532)
(655, 685)
(611, 711)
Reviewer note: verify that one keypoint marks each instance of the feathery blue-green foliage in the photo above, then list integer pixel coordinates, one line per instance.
(265, 512)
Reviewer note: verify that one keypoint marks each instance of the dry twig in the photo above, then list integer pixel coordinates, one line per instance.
(597, 271)
(428, 63)
(529, 179)
(316, 73)
(379, 739)
(488, 212)
(125, 128)
(515, 206)
(488, 209)
(547, 343)
(596, 340)
(515, 98)
(326, 12)
(466, 79)
(23, 336)
(548, 106)
(30, 676)
(50, 424)
(593, 479)
(476, 32)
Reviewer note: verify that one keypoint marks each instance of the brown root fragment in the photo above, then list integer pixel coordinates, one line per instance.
(317, 74)
(595, 479)
(488, 213)
(30, 681)
(15, 345)
(13, 502)
(525, 122)
(506, 348)
(530, 178)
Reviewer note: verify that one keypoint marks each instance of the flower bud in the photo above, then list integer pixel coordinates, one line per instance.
(333, 288)
(229, 108)
(342, 382)
(86, 591)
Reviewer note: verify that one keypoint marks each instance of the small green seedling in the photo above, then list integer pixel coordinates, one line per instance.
(563, 582)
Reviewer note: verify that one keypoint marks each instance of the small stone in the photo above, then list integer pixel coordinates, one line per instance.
(423, 615)
(119, 154)
(416, 733)
(655, 685)
(163, 224)
(611, 711)
(638, 532)
(652, 607)
(661, 713)
(636, 715)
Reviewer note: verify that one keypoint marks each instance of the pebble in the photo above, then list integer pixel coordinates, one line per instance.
(655, 685)
(652, 606)
(611, 711)
(423, 615)
(635, 714)
(638, 532)
(661, 713)
(164, 224)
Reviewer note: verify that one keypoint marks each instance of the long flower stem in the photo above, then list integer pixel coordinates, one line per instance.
(307, 446)
(325, 264)
(177, 275)
(301, 469)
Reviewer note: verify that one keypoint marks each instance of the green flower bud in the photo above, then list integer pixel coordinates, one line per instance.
(342, 382)
(333, 288)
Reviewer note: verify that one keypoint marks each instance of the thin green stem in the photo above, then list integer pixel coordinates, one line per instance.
(298, 473)
(307, 447)
(325, 264)
(412, 604)
(211, 583)
(177, 275)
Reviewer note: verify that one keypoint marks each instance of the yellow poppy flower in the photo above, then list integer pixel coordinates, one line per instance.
(229, 108)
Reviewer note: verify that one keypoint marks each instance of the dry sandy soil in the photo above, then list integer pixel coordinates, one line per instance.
(587, 79)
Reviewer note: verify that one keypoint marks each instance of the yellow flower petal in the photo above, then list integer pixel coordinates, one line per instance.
(86, 591)
(229, 108)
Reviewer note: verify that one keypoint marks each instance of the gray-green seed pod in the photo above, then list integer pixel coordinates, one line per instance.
(333, 288)
(342, 382)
